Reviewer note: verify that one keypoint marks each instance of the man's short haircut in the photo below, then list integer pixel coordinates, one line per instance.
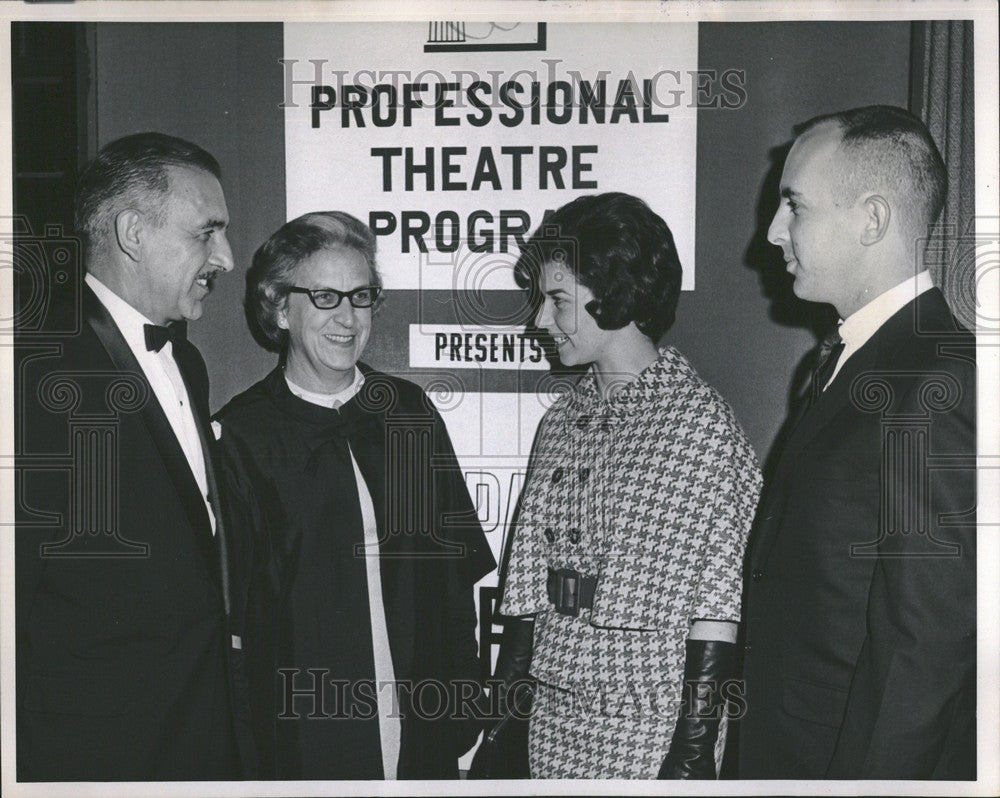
(890, 150)
(618, 248)
(276, 261)
(133, 172)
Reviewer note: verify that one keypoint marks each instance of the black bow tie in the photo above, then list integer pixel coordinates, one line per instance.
(157, 336)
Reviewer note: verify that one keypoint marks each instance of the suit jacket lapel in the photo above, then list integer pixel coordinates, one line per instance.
(837, 396)
(154, 418)
(877, 353)
(926, 314)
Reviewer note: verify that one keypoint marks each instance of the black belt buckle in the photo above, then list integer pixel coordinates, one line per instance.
(567, 591)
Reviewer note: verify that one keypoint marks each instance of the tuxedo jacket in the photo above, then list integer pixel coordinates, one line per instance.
(860, 600)
(125, 669)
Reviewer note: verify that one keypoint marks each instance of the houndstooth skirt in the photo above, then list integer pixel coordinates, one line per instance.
(594, 734)
(586, 734)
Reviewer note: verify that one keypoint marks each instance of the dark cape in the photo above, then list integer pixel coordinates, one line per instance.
(301, 586)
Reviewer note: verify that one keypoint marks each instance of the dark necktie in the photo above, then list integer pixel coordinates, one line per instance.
(829, 354)
(157, 336)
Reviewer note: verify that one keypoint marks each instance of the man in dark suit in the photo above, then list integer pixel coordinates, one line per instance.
(861, 580)
(125, 654)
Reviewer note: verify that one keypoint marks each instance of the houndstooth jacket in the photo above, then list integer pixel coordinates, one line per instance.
(653, 492)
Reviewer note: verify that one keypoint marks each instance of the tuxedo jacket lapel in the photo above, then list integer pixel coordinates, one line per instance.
(155, 420)
(192, 369)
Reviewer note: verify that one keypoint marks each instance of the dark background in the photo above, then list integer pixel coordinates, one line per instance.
(79, 86)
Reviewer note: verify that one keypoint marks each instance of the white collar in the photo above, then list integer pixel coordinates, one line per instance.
(861, 325)
(329, 399)
(128, 320)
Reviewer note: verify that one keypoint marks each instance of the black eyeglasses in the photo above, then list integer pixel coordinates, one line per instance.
(330, 298)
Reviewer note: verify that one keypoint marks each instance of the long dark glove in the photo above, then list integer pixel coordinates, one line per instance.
(707, 665)
(503, 752)
(514, 658)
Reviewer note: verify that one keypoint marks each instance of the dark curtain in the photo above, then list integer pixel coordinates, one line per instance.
(943, 96)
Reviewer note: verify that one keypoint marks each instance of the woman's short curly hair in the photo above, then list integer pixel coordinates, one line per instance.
(618, 248)
(274, 265)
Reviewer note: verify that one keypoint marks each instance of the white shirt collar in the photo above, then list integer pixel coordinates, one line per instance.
(329, 399)
(128, 320)
(861, 325)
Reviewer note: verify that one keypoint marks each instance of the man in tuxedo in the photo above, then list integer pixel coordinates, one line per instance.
(860, 601)
(125, 653)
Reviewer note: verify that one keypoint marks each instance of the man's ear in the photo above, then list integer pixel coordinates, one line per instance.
(877, 215)
(282, 315)
(128, 233)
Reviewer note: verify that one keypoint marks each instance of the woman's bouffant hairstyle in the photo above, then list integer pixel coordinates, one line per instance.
(275, 263)
(618, 248)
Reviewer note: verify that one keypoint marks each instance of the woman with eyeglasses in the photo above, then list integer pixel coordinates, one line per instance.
(356, 544)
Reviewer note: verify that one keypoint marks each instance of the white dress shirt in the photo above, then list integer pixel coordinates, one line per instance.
(385, 677)
(164, 377)
(861, 325)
